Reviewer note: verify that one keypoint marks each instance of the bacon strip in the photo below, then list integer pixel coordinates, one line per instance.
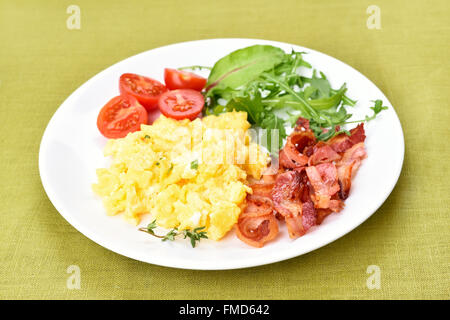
(324, 180)
(302, 123)
(291, 200)
(262, 189)
(322, 214)
(347, 167)
(257, 224)
(256, 231)
(342, 142)
(285, 193)
(358, 134)
(291, 155)
(313, 181)
(322, 155)
(298, 225)
(257, 206)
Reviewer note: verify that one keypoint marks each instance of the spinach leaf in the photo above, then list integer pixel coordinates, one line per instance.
(243, 65)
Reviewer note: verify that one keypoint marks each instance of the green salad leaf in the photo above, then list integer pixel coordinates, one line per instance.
(262, 80)
(377, 108)
(242, 66)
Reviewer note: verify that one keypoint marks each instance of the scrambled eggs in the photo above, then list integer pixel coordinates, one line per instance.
(186, 174)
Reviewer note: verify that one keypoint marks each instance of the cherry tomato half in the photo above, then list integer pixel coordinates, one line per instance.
(177, 79)
(181, 104)
(121, 115)
(145, 90)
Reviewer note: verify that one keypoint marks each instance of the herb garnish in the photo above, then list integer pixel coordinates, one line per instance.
(194, 164)
(195, 235)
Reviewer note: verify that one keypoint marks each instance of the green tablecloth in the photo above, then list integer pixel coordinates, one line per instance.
(42, 62)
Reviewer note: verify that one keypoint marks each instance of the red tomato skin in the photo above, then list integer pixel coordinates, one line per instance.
(177, 79)
(148, 100)
(170, 101)
(106, 117)
(153, 115)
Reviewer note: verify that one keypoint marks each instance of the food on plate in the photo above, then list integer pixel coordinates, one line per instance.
(179, 79)
(275, 89)
(257, 223)
(121, 115)
(144, 89)
(313, 181)
(306, 192)
(181, 173)
(198, 177)
(181, 104)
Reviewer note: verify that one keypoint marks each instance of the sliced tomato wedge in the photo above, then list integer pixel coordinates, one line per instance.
(121, 115)
(181, 104)
(177, 79)
(146, 90)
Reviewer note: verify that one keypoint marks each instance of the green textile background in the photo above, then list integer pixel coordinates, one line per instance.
(42, 62)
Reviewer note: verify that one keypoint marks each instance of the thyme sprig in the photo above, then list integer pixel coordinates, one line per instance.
(194, 235)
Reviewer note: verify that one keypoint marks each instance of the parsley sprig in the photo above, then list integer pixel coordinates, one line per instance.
(194, 235)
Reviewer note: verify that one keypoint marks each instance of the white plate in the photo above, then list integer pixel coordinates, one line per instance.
(71, 151)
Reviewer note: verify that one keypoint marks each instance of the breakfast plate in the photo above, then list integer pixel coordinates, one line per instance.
(72, 149)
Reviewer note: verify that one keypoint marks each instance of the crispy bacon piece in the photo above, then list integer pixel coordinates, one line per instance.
(302, 123)
(322, 214)
(343, 142)
(294, 226)
(358, 134)
(309, 216)
(257, 206)
(291, 155)
(345, 179)
(336, 205)
(257, 223)
(357, 152)
(301, 140)
(298, 225)
(291, 160)
(324, 181)
(347, 167)
(285, 193)
(323, 178)
(340, 143)
(262, 189)
(291, 200)
(269, 178)
(313, 181)
(323, 154)
(256, 231)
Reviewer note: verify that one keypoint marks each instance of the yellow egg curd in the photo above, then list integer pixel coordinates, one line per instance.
(186, 174)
